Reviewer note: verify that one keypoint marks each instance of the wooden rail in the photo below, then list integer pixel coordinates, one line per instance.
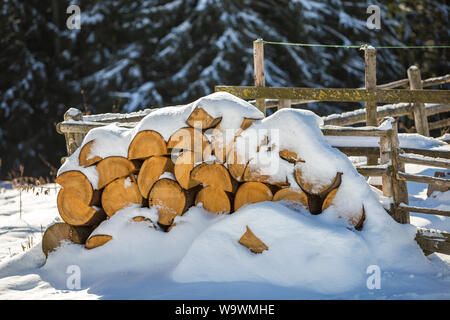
(433, 241)
(339, 94)
(389, 110)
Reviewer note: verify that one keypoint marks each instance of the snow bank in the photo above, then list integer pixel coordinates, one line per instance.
(305, 251)
(135, 247)
(319, 253)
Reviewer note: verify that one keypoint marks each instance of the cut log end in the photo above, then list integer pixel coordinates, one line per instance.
(119, 194)
(77, 184)
(59, 232)
(215, 175)
(214, 200)
(75, 212)
(293, 195)
(252, 192)
(145, 144)
(97, 241)
(112, 168)
(170, 200)
(290, 156)
(183, 168)
(85, 158)
(252, 242)
(201, 119)
(150, 171)
(190, 139)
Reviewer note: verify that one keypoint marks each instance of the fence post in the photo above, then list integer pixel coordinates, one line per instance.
(284, 103)
(385, 157)
(370, 62)
(420, 114)
(73, 140)
(260, 78)
(399, 188)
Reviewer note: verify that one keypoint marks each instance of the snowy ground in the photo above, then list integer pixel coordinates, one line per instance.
(22, 275)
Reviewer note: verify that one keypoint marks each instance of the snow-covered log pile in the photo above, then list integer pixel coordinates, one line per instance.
(218, 152)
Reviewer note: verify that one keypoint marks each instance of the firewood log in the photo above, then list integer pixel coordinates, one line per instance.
(85, 152)
(252, 173)
(214, 174)
(290, 156)
(78, 185)
(171, 200)
(291, 194)
(355, 218)
(222, 141)
(58, 232)
(236, 164)
(252, 192)
(145, 144)
(120, 193)
(190, 139)
(316, 199)
(183, 168)
(252, 242)
(214, 200)
(150, 171)
(97, 241)
(112, 168)
(144, 219)
(201, 119)
(75, 212)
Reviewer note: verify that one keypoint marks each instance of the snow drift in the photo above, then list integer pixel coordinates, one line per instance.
(322, 253)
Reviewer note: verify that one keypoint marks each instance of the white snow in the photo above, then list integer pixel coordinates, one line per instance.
(309, 256)
(407, 140)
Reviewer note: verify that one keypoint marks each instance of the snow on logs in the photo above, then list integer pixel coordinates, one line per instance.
(218, 153)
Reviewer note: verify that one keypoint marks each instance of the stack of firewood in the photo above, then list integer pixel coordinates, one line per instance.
(190, 168)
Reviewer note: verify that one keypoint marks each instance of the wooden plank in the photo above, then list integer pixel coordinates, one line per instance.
(429, 153)
(439, 124)
(359, 115)
(425, 83)
(83, 127)
(444, 213)
(436, 81)
(423, 179)
(359, 151)
(426, 161)
(420, 116)
(350, 131)
(394, 84)
(73, 139)
(339, 94)
(388, 110)
(372, 170)
(284, 104)
(370, 62)
(399, 188)
(118, 117)
(433, 241)
(260, 78)
(433, 109)
(385, 158)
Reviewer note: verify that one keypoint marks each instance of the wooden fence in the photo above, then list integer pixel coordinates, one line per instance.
(387, 160)
(407, 102)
